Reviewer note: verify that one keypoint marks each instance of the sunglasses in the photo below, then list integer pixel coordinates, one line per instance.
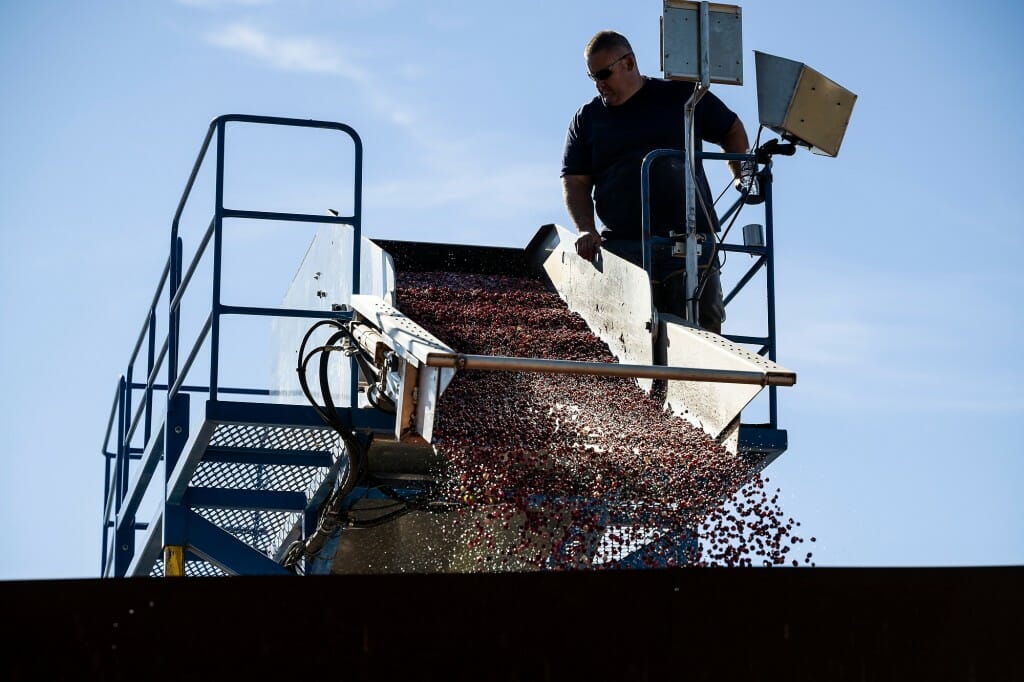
(606, 73)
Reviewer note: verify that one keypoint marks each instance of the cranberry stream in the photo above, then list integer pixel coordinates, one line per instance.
(562, 472)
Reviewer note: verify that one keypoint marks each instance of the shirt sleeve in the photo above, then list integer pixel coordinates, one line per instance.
(715, 118)
(576, 157)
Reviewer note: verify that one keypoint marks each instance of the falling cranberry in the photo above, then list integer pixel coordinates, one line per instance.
(577, 472)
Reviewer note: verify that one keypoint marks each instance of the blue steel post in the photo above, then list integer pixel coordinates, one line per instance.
(125, 464)
(357, 228)
(150, 364)
(645, 214)
(110, 477)
(172, 312)
(175, 333)
(176, 417)
(218, 236)
(122, 448)
(357, 231)
(175, 531)
(124, 535)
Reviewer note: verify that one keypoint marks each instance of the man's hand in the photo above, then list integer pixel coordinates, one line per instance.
(748, 183)
(576, 190)
(588, 244)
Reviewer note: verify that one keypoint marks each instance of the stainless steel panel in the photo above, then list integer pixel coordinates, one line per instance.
(710, 406)
(680, 42)
(797, 101)
(322, 280)
(612, 295)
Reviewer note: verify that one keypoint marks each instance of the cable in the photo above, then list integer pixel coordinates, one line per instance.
(331, 512)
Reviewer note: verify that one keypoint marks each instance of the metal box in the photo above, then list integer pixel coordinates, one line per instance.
(680, 42)
(797, 102)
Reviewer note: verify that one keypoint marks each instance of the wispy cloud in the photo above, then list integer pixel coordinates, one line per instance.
(461, 185)
(305, 54)
(286, 53)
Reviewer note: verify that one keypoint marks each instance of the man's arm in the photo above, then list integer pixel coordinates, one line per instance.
(576, 191)
(735, 142)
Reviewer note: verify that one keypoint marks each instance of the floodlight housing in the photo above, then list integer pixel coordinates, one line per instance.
(801, 104)
(681, 48)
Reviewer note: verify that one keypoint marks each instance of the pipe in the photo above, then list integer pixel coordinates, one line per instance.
(370, 339)
(512, 364)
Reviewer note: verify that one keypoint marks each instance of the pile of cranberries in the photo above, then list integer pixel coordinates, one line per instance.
(557, 471)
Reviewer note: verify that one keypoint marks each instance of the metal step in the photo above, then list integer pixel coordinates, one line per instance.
(247, 478)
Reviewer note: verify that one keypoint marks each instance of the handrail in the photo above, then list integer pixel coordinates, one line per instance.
(152, 310)
(173, 391)
(192, 178)
(179, 284)
(645, 202)
(200, 250)
(110, 420)
(202, 389)
(149, 385)
(138, 345)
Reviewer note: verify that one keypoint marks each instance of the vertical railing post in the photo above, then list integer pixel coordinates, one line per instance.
(173, 313)
(150, 364)
(357, 232)
(121, 454)
(122, 489)
(218, 236)
(111, 476)
(175, 333)
(357, 228)
(175, 532)
(124, 533)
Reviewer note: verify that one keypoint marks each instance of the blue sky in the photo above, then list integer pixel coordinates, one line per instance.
(897, 290)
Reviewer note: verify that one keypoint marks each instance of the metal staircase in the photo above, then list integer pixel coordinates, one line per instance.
(232, 481)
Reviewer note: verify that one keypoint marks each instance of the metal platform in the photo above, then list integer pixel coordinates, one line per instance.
(238, 474)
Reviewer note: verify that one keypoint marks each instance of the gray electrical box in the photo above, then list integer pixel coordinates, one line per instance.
(680, 42)
(801, 104)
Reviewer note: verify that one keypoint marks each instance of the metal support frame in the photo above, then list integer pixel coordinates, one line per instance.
(766, 254)
(186, 535)
(692, 313)
(691, 158)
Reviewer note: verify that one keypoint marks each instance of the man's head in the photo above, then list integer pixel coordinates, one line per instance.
(612, 66)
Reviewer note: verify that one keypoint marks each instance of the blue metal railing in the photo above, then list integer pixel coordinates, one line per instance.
(121, 496)
(766, 253)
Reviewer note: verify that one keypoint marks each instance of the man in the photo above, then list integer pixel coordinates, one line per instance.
(606, 143)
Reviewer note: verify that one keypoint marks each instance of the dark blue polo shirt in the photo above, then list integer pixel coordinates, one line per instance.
(609, 144)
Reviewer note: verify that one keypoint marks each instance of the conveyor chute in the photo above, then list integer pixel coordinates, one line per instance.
(706, 379)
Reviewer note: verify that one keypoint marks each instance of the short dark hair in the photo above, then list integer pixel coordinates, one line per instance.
(604, 41)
